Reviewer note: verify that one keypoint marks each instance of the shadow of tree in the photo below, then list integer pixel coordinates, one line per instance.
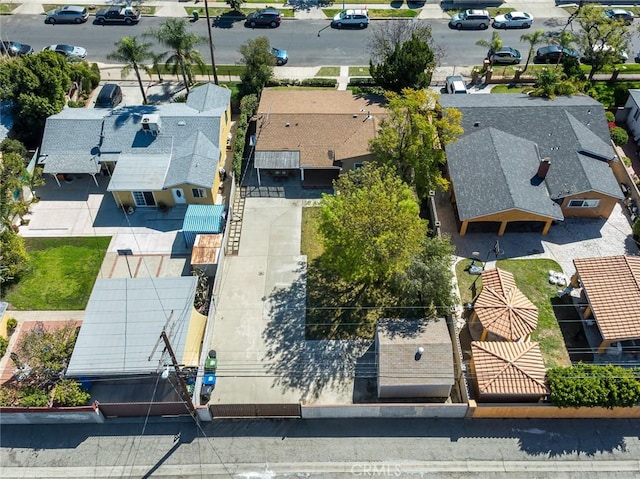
(296, 363)
(227, 20)
(559, 441)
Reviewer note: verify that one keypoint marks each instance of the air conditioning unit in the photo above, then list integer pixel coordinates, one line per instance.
(151, 123)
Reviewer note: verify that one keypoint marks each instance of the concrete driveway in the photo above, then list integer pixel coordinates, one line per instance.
(258, 330)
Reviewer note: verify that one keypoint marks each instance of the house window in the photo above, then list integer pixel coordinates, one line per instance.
(198, 193)
(584, 203)
(144, 198)
(636, 115)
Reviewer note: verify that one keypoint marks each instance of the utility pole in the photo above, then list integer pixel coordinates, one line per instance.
(183, 385)
(213, 62)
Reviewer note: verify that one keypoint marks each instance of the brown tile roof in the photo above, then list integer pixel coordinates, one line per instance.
(612, 286)
(504, 368)
(502, 308)
(206, 249)
(397, 344)
(322, 125)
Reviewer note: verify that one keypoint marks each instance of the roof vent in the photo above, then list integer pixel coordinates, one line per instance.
(151, 123)
(182, 123)
(477, 123)
(287, 125)
(355, 115)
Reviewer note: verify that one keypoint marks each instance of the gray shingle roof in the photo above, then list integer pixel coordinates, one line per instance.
(507, 163)
(561, 129)
(123, 322)
(189, 133)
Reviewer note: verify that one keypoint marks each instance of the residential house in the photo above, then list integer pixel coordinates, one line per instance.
(415, 359)
(524, 162)
(502, 311)
(609, 301)
(508, 372)
(631, 112)
(165, 154)
(314, 136)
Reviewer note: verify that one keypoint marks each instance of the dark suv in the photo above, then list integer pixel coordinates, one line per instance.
(267, 17)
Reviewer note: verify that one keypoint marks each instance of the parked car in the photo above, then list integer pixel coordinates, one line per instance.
(14, 49)
(454, 84)
(280, 55)
(513, 20)
(267, 17)
(620, 14)
(351, 18)
(110, 96)
(637, 58)
(67, 50)
(587, 58)
(504, 56)
(116, 14)
(67, 14)
(551, 54)
(471, 19)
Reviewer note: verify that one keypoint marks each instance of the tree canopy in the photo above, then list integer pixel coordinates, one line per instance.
(259, 63)
(412, 137)
(133, 53)
(371, 226)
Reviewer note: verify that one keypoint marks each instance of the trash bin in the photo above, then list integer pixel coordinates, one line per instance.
(196, 15)
(210, 365)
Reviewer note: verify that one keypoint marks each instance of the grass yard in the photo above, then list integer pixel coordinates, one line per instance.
(311, 241)
(510, 89)
(359, 71)
(531, 278)
(7, 8)
(62, 273)
(328, 72)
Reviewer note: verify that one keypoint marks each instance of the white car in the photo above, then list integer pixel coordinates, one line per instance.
(513, 20)
(67, 50)
(454, 84)
(351, 18)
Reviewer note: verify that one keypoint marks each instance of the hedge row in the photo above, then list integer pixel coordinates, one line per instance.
(315, 82)
(248, 106)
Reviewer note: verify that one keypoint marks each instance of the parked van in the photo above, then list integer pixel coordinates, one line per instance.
(110, 96)
(471, 19)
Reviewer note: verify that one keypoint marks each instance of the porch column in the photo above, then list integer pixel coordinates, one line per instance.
(474, 318)
(603, 346)
(463, 228)
(258, 170)
(503, 227)
(587, 312)
(55, 176)
(484, 335)
(547, 227)
(95, 180)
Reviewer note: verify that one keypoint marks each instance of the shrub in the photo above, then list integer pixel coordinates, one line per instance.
(586, 385)
(610, 116)
(8, 396)
(364, 81)
(9, 145)
(635, 229)
(626, 161)
(33, 397)
(619, 136)
(319, 82)
(4, 342)
(12, 324)
(70, 393)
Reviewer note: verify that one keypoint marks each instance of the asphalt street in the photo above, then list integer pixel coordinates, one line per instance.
(325, 448)
(308, 42)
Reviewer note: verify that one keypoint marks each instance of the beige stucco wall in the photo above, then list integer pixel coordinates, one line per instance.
(603, 210)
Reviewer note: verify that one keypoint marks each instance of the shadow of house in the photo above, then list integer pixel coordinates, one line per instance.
(510, 139)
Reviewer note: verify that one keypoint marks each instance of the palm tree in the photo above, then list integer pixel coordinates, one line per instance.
(534, 38)
(133, 54)
(493, 45)
(565, 40)
(173, 34)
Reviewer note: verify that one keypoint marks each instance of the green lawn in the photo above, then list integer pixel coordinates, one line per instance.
(62, 273)
(532, 279)
(328, 72)
(311, 241)
(7, 8)
(359, 71)
(510, 89)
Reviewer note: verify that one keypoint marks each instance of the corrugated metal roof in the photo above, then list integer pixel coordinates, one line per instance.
(509, 369)
(202, 219)
(398, 342)
(123, 322)
(612, 286)
(277, 160)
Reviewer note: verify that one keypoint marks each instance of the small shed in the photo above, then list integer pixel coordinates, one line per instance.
(415, 359)
(205, 253)
(202, 219)
(507, 371)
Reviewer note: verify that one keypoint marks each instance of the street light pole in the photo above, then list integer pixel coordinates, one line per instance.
(213, 62)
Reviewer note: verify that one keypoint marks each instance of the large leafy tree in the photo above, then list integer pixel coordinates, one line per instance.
(533, 39)
(182, 54)
(387, 36)
(36, 85)
(600, 38)
(132, 53)
(371, 227)
(412, 137)
(409, 65)
(259, 63)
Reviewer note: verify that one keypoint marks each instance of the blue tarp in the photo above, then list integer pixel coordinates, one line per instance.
(202, 219)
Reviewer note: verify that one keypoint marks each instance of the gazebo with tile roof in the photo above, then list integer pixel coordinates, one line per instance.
(502, 309)
(507, 371)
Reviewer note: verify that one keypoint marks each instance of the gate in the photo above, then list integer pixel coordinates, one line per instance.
(255, 410)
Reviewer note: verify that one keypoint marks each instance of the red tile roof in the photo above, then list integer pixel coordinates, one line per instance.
(510, 369)
(612, 286)
(502, 308)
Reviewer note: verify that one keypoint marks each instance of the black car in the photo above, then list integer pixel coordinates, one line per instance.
(14, 49)
(115, 14)
(267, 17)
(552, 53)
(110, 96)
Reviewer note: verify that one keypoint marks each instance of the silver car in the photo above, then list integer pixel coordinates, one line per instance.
(471, 19)
(67, 14)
